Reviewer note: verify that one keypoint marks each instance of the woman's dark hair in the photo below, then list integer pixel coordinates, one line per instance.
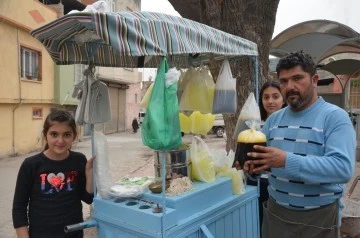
(268, 84)
(58, 115)
(294, 59)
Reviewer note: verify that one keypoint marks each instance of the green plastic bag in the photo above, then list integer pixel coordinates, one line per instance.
(161, 126)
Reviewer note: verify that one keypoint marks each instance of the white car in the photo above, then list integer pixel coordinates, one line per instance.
(219, 125)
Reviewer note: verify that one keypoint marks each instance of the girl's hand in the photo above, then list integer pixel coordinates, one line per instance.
(22, 232)
(89, 166)
(89, 175)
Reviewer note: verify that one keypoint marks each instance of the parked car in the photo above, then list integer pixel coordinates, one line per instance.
(141, 116)
(219, 125)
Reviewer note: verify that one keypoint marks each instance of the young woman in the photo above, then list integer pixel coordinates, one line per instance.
(51, 185)
(271, 99)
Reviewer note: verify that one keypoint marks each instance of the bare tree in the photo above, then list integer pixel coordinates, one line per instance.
(253, 20)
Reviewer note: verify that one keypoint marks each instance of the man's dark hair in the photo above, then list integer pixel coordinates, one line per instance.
(297, 58)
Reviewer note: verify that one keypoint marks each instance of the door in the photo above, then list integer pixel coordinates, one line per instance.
(118, 111)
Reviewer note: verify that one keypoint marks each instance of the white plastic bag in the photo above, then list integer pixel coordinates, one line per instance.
(199, 92)
(222, 160)
(145, 101)
(172, 76)
(183, 80)
(101, 166)
(130, 187)
(202, 166)
(225, 91)
(250, 112)
(223, 167)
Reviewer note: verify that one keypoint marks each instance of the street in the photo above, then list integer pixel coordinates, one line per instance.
(127, 157)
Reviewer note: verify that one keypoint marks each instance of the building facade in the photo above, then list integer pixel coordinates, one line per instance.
(27, 76)
(124, 83)
(31, 84)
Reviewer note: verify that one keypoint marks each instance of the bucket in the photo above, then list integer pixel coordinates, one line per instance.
(177, 165)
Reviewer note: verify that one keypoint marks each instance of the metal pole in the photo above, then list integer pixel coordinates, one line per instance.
(256, 62)
(93, 154)
(163, 192)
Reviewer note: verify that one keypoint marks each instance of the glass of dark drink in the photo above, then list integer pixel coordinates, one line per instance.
(245, 143)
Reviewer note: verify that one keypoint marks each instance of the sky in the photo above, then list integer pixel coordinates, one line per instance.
(291, 12)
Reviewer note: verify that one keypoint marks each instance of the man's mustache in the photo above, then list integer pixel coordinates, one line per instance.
(291, 93)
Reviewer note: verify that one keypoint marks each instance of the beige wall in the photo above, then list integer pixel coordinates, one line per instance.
(25, 13)
(27, 131)
(28, 135)
(6, 130)
(19, 131)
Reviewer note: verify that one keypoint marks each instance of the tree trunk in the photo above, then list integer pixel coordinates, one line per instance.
(253, 20)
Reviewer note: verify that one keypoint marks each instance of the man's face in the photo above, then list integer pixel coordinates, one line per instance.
(298, 87)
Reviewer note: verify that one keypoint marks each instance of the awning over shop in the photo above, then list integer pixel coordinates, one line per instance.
(319, 38)
(342, 66)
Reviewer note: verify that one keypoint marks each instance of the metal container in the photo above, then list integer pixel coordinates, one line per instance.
(178, 163)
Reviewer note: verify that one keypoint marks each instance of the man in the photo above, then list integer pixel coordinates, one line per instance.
(311, 153)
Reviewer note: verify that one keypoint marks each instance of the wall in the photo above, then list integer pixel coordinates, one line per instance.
(18, 97)
(133, 103)
(27, 131)
(64, 85)
(28, 14)
(127, 5)
(122, 75)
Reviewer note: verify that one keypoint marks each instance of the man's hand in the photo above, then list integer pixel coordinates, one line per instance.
(265, 159)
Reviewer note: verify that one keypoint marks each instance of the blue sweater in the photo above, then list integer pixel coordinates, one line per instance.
(320, 155)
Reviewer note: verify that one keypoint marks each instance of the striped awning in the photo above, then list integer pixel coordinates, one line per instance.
(136, 40)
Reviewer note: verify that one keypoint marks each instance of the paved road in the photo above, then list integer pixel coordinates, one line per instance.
(127, 157)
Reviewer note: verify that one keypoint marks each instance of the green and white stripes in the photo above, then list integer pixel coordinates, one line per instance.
(120, 39)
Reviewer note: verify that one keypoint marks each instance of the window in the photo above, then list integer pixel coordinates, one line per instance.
(136, 96)
(30, 64)
(37, 113)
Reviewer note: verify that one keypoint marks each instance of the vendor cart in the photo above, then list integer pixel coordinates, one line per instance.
(141, 40)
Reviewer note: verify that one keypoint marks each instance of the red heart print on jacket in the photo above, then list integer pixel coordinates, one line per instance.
(56, 180)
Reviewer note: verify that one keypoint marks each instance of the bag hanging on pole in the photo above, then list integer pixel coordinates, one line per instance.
(199, 92)
(145, 101)
(161, 125)
(249, 112)
(225, 91)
